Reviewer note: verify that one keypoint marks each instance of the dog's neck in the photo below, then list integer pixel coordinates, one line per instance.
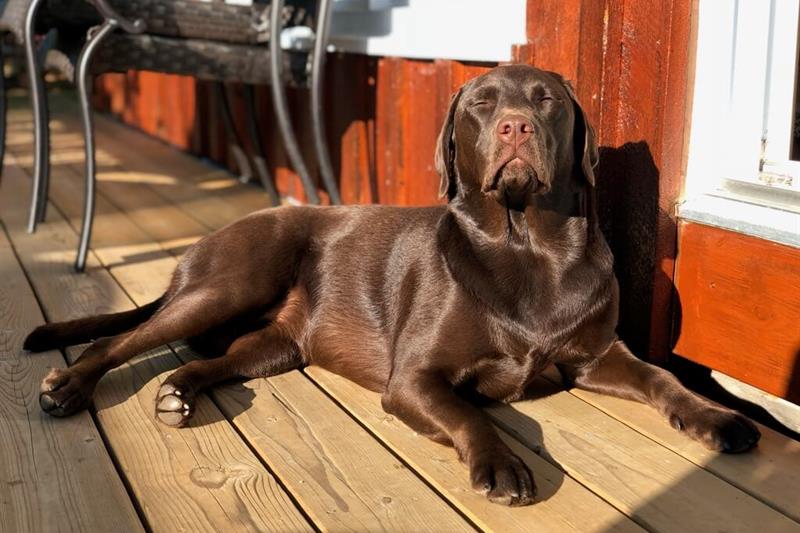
(559, 224)
(505, 258)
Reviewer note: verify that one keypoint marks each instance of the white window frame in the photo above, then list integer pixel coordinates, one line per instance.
(742, 111)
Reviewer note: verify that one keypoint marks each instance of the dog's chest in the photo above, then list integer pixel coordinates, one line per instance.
(537, 334)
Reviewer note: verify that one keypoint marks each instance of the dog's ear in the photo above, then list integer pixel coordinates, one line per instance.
(445, 158)
(584, 140)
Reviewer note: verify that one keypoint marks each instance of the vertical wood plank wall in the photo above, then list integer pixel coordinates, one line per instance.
(628, 59)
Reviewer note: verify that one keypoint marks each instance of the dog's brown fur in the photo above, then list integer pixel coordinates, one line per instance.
(482, 294)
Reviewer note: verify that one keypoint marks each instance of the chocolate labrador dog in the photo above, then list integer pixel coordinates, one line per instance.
(420, 304)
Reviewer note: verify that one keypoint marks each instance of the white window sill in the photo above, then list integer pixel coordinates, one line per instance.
(770, 223)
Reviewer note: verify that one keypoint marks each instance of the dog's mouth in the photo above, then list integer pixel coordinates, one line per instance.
(513, 177)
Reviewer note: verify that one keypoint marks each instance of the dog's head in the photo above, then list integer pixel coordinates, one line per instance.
(513, 133)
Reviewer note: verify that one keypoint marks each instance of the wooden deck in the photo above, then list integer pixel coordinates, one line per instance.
(306, 450)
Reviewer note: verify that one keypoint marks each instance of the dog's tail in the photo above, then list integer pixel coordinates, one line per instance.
(61, 334)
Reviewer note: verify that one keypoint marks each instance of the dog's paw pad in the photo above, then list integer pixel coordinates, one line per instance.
(173, 406)
(62, 393)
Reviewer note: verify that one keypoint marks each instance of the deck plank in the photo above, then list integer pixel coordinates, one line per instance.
(202, 478)
(209, 195)
(177, 177)
(55, 476)
(338, 472)
(658, 488)
(562, 504)
(770, 473)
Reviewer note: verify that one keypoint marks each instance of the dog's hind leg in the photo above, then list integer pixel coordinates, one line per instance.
(65, 391)
(61, 334)
(261, 353)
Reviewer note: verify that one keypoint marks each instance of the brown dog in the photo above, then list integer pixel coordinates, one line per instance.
(417, 303)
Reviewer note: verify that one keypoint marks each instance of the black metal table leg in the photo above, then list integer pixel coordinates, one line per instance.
(259, 159)
(234, 140)
(317, 109)
(281, 106)
(95, 37)
(41, 155)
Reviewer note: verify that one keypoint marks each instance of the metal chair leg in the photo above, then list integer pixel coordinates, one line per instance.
(259, 160)
(235, 145)
(93, 40)
(3, 113)
(317, 109)
(41, 133)
(281, 106)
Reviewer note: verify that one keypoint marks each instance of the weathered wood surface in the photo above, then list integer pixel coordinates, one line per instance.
(770, 473)
(337, 471)
(561, 504)
(53, 475)
(659, 488)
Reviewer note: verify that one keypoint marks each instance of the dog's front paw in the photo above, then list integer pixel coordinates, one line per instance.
(64, 392)
(718, 428)
(174, 405)
(503, 478)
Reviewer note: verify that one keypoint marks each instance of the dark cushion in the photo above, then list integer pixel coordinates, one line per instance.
(213, 20)
(208, 60)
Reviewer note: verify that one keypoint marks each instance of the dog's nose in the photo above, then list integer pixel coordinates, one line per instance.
(514, 130)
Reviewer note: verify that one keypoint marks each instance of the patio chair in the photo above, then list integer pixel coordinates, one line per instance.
(71, 20)
(211, 40)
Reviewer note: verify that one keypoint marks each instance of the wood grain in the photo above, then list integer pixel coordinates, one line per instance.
(739, 306)
(53, 476)
(656, 487)
(206, 194)
(769, 473)
(562, 504)
(338, 472)
(181, 179)
(202, 478)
